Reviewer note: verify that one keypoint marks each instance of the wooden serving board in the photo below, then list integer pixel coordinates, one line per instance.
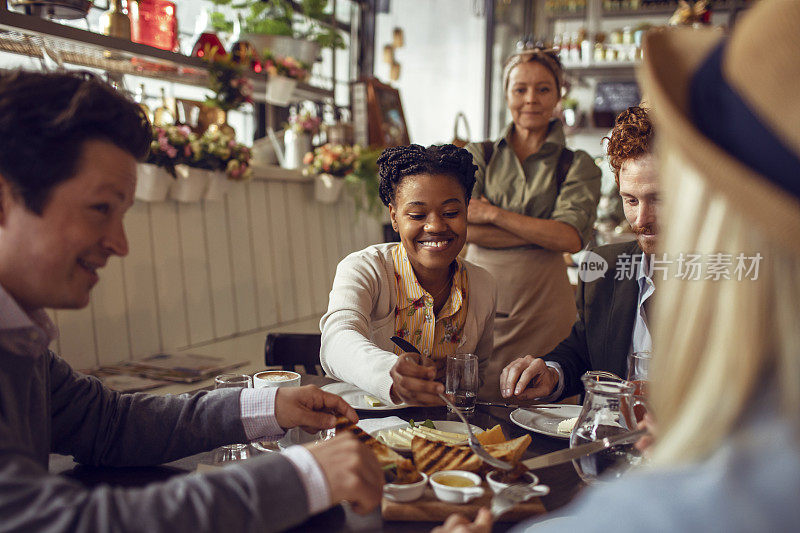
(431, 509)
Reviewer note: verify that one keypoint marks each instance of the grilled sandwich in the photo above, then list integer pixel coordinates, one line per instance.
(430, 456)
(399, 470)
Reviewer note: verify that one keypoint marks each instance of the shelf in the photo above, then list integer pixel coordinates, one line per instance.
(276, 173)
(610, 68)
(566, 15)
(36, 37)
(640, 12)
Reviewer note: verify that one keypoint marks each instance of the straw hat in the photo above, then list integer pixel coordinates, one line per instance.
(731, 107)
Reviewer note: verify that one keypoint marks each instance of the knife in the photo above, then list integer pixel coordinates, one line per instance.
(563, 456)
(405, 345)
(498, 404)
(408, 347)
(532, 407)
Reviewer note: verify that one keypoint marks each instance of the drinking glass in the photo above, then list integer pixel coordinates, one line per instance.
(232, 452)
(461, 381)
(638, 374)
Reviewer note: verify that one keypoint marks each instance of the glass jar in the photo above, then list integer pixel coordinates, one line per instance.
(154, 23)
(607, 411)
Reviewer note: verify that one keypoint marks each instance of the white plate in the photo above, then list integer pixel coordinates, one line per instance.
(545, 421)
(355, 397)
(451, 426)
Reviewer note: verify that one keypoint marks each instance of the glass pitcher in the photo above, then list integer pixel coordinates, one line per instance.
(607, 410)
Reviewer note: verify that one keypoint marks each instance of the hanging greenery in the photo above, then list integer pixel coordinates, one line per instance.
(278, 17)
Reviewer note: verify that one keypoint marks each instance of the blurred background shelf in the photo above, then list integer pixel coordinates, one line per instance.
(59, 44)
(622, 68)
(276, 173)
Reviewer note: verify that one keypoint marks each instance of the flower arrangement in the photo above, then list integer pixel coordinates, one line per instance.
(363, 183)
(304, 122)
(216, 150)
(232, 89)
(170, 146)
(334, 159)
(238, 166)
(287, 67)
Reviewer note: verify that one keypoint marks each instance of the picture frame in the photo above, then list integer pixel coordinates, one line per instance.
(378, 114)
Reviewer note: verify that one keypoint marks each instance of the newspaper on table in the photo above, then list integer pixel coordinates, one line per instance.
(161, 369)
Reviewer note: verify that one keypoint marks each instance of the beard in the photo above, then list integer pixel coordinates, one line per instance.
(646, 237)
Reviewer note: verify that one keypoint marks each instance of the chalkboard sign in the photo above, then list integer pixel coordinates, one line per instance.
(611, 98)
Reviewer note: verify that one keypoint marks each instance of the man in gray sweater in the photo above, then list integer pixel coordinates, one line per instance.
(67, 176)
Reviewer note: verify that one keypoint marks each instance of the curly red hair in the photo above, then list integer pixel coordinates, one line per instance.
(631, 137)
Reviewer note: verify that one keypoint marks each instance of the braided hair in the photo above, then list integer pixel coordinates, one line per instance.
(397, 162)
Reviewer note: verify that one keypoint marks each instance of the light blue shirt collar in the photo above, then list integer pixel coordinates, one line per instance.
(641, 340)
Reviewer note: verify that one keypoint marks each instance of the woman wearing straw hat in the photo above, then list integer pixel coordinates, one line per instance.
(726, 374)
(533, 200)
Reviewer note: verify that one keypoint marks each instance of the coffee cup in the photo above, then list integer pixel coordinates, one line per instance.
(276, 378)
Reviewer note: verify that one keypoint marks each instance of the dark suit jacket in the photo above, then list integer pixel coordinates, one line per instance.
(601, 336)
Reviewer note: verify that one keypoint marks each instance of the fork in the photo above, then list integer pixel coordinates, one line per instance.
(474, 444)
(514, 494)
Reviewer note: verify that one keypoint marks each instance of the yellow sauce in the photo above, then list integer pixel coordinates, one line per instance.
(455, 481)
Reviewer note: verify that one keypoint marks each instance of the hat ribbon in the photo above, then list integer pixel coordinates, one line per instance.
(725, 118)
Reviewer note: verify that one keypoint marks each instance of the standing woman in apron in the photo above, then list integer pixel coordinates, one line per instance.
(533, 200)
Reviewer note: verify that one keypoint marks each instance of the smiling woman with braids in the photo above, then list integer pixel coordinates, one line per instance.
(418, 290)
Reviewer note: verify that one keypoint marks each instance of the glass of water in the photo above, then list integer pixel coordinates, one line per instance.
(461, 381)
(232, 452)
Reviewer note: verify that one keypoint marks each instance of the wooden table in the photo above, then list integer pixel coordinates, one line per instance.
(563, 480)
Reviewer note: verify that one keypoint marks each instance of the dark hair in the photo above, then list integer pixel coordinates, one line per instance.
(400, 161)
(631, 137)
(45, 118)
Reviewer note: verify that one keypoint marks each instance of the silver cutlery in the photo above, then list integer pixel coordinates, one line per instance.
(515, 406)
(563, 456)
(474, 445)
(408, 347)
(514, 494)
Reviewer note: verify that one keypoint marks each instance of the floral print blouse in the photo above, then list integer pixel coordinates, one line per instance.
(435, 336)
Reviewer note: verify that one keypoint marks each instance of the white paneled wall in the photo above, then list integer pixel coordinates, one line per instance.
(201, 272)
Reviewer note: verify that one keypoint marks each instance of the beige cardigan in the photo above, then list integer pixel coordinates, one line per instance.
(359, 323)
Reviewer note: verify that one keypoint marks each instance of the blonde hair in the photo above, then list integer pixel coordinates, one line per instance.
(546, 57)
(719, 344)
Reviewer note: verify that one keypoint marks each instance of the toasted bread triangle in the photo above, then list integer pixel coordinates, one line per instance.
(430, 456)
(406, 471)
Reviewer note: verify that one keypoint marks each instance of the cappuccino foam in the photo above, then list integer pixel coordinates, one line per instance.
(276, 376)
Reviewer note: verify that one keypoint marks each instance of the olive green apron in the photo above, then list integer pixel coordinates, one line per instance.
(535, 305)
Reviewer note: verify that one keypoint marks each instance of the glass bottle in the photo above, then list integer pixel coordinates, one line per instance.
(141, 98)
(607, 411)
(163, 115)
(115, 21)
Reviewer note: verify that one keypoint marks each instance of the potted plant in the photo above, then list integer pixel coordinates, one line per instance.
(330, 164)
(170, 147)
(221, 160)
(275, 25)
(284, 73)
(364, 181)
(226, 79)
